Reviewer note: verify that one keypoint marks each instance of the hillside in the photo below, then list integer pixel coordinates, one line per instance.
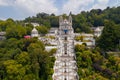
(27, 59)
(82, 21)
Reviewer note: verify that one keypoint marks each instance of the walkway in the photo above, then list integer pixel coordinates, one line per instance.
(65, 65)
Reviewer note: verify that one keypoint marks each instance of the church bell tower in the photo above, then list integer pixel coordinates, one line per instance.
(65, 26)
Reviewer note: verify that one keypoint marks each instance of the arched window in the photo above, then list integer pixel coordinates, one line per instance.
(65, 38)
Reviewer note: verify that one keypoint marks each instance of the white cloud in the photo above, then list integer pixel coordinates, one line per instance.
(25, 8)
(35, 6)
(2, 3)
(83, 5)
(5, 2)
(103, 1)
(76, 5)
(31, 6)
(102, 4)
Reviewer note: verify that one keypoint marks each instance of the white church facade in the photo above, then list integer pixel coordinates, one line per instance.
(65, 67)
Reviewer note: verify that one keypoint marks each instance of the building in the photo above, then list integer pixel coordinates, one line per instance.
(65, 27)
(64, 40)
(65, 67)
(84, 38)
(27, 37)
(35, 24)
(2, 35)
(34, 33)
(52, 32)
(97, 30)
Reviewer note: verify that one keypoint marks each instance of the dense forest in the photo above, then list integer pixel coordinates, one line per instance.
(83, 21)
(94, 66)
(27, 59)
(24, 59)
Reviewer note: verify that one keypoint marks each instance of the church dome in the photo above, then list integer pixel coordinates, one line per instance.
(34, 32)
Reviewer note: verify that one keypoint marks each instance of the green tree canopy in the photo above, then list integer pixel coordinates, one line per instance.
(109, 39)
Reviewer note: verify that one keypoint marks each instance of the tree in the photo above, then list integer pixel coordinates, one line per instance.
(109, 43)
(14, 71)
(80, 48)
(8, 23)
(16, 31)
(77, 30)
(23, 58)
(42, 29)
(28, 28)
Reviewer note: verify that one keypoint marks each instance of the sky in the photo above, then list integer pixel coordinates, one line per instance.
(21, 9)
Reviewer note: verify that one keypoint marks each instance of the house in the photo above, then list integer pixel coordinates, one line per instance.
(84, 38)
(97, 30)
(2, 35)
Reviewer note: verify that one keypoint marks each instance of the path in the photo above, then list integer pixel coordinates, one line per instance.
(65, 65)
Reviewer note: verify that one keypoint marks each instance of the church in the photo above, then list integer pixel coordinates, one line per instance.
(65, 66)
(65, 28)
(64, 39)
